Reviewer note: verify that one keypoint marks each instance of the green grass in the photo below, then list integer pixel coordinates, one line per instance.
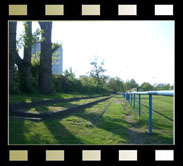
(22, 97)
(59, 106)
(118, 125)
(162, 118)
(74, 129)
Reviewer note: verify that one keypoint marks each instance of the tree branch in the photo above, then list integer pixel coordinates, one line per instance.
(54, 49)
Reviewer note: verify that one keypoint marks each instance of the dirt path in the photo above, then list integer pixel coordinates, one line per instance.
(136, 135)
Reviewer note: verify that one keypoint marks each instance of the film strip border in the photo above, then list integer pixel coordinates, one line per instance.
(90, 155)
(95, 9)
(91, 10)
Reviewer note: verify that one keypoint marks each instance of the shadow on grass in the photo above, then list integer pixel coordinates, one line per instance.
(63, 105)
(16, 134)
(144, 137)
(39, 104)
(37, 135)
(125, 130)
(46, 109)
(60, 133)
(31, 97)
(135, 137)
(43, 106)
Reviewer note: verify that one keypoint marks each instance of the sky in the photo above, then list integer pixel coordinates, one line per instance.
(139, 50)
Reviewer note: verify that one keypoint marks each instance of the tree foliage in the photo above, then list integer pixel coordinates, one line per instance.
(146, 87)
(115, 84)
(26, 41)
(97, 71)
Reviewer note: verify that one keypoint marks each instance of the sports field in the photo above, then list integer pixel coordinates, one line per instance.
(107, 123)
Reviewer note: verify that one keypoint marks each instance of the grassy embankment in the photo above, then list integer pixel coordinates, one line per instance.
(118, 125)
(22, 97)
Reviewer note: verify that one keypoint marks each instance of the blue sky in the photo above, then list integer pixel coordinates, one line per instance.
(142, 50)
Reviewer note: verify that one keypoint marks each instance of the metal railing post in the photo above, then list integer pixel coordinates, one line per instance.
(134, 101)
(150, 93)
(139, 105)
(150, 113)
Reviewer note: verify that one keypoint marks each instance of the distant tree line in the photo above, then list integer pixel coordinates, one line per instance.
(148, 87)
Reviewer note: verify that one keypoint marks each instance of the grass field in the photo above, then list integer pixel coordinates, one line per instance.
(59, 106)
(162, 121)
(22, 97)
(119, 124)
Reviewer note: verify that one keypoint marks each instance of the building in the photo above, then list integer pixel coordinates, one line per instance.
(36, 48)
(57, 62)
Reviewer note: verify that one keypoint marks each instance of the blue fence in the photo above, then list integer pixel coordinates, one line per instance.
(130, 96)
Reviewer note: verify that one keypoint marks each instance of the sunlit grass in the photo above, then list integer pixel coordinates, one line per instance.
(162, 117)
(59, 106)
(22, 97)
(113, 127)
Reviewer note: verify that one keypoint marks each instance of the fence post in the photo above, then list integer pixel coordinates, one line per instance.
(134, 101)
(139, 105)
(131, 100)
(150, 113)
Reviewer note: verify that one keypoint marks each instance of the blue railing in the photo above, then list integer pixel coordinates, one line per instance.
(130, 96)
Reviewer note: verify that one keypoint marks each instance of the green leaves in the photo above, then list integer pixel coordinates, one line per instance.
(97, 70)
(27, 38)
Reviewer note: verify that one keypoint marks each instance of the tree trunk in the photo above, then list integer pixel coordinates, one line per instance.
(12, 52)
(25, 70)
(46, 59)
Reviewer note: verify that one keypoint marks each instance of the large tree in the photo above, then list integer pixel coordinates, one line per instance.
(12, 52)
(97, 72)
(25, 65)
(45, 79)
